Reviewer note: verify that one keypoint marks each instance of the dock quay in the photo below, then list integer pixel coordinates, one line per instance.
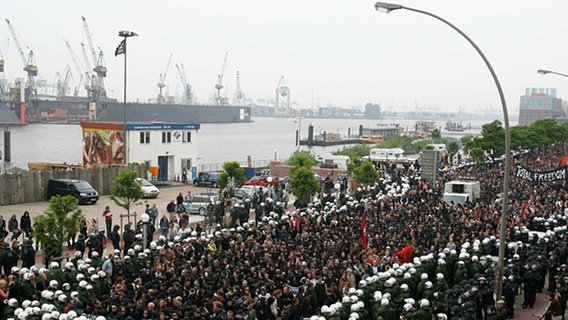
(335, 139)
(324, 143)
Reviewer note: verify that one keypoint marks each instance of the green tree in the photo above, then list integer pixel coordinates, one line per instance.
(232, 172)
(436, 134)
(453, 148)
(304, 185)
(302, 159)
(352, 165)
(355, 152)
(56, 224)
(465, 140)
(493, 139)
(365, 173)
(125, 190)
(478, 156)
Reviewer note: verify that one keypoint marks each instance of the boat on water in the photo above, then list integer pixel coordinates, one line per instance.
(81, 109)
(456, 126)
(371, 139)
(425, 126)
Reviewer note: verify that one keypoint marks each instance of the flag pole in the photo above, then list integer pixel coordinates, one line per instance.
(121, 49)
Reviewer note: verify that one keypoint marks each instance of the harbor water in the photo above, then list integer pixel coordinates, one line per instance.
(263, 139)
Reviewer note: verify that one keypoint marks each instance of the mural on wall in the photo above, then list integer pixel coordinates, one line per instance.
(102, 146)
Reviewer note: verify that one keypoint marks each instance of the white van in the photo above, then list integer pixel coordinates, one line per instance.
(331, 162)
(461, 191)
(440, 147)
(387, 155)
(150, 190)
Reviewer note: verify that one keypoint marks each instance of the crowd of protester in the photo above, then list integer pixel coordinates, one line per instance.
(389, 250)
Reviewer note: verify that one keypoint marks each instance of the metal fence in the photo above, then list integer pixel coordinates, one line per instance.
(31, 186)
(219, 166)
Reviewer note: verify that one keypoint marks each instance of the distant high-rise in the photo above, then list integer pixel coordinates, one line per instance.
(372, 111)
(539, 103)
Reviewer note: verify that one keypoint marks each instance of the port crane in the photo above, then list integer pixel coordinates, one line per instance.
(282, 96)
(89, 78)
(239, 97)
(219, 84)
(98, 85)
(162, 82)
(78, 67)
(29, 64)
(187, 94)
(62, 83)
(3, 92)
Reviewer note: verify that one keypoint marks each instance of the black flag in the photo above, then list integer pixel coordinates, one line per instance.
(121, 49)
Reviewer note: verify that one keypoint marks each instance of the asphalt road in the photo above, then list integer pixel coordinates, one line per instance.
(94, 211)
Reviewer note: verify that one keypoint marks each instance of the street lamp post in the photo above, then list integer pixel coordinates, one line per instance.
(543, 72)
(145, 218)
(387, 8)
(299, 131)
(122, 50)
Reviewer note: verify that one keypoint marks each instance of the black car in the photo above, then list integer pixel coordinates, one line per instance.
(80, 189)
(207, 179)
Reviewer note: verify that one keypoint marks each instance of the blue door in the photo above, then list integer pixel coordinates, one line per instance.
(162, 168)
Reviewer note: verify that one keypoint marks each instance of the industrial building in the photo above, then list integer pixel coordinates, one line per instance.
(539, 103)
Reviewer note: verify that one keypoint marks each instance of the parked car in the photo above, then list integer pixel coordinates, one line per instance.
(245, 192)
(150, 190)
(200, 203)
(261, 181)
(207, 179)
(80, 189)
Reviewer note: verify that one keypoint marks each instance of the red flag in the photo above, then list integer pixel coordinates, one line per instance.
(405, 255)
(364, 232)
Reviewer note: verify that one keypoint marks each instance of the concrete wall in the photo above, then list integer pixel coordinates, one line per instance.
(31, 186)
(280, 170)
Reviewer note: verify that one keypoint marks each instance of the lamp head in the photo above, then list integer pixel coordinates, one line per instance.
(387, 7)
(145, 217)
(127, 34)
(543, 72)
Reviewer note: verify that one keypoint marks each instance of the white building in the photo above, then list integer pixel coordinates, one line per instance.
(166, 148)
(170, 147)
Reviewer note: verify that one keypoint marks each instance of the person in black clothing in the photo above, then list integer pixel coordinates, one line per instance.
(292, 312)
(102, 240)
(179, 203)
(93, 245)
(184, 176)
(171, 209)
(9, 258)
(80, 244)
(128, 237)
(531, 280)
(3, 232)
(115, 237)
(28, 254)
(26, 224)
(320, 290)
(83, 227)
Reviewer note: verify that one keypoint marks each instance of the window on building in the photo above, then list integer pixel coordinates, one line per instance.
(144, 137)
(187, 137)
(186, 164)
(166, 137)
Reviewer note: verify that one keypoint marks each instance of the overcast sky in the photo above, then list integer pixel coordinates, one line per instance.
(344, 51)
